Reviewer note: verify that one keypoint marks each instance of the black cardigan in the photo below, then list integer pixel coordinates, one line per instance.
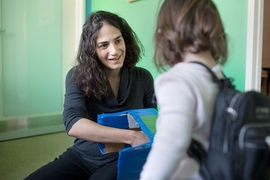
(135, 91)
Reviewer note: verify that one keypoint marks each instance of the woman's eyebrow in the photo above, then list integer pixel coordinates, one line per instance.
(118, 37)
(103, 42)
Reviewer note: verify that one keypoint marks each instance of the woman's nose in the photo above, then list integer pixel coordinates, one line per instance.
(113, 49)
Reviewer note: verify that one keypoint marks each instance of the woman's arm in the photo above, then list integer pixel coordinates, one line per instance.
(92, 131)
(77, 125)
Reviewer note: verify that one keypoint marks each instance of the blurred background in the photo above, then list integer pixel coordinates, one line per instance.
(38, 45)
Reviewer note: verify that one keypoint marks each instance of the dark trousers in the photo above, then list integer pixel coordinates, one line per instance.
(70, 166)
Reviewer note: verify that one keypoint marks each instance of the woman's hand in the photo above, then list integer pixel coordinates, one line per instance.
(139, 138)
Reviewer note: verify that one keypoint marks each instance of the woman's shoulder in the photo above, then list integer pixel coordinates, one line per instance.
(140, 71)
(71, 70)
(138, 68)
(69, 74)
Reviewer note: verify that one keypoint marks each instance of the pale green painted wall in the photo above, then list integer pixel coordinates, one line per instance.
(141, 16)
(234, 16)
(31, 63)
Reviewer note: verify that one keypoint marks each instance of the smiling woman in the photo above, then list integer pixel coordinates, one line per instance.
(104, 79)
(111, 51)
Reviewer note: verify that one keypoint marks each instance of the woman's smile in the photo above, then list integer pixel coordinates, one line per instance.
(111, 48)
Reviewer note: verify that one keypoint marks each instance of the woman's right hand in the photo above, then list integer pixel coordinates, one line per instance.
(139, 138)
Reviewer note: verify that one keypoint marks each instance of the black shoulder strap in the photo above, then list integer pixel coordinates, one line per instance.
(215, 78)
(222, 83)
(196, 150)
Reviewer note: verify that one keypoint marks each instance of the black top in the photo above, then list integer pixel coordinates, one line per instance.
(136, 91)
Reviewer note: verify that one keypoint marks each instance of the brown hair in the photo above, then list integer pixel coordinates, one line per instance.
(188, 26)
(88, 73)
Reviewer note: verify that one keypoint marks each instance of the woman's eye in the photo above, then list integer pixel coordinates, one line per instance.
(103, 46)
(118, 41)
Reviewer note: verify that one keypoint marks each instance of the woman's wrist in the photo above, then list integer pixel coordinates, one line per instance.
(129, 136)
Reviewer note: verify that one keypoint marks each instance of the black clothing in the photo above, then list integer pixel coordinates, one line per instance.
(136, 91)
(71, 166)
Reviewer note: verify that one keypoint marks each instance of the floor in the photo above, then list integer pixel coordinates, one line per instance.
(20, 157)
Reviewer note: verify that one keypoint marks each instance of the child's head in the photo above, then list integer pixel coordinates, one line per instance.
(188, 26)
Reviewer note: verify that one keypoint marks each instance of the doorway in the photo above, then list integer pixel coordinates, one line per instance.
(265, 49)
(39, 40)
(254, 45)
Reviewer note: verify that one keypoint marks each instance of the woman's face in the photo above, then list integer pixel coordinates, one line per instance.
(110, 47)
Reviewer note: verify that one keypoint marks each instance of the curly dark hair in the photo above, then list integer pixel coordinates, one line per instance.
(188, 26)
(88, 73)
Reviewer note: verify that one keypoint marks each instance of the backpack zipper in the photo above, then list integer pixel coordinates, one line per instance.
(232, 114)
(267, 140)
(230, 110)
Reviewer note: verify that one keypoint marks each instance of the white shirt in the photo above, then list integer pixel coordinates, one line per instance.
(186, 95)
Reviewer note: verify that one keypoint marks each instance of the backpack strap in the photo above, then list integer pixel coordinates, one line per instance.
(222, 83)
(214, 76)
(196, 150)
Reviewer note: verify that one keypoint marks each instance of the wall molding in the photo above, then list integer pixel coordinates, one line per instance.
(254, 45)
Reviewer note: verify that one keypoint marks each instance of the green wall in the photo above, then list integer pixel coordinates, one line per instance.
(234, 16)
(88, 4)
(141, 16)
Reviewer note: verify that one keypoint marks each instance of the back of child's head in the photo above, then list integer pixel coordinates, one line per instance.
(188, 26)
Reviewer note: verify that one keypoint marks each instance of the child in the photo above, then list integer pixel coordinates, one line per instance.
(187, 30)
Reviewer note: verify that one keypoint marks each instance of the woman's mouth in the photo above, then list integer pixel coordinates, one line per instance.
(115, 59)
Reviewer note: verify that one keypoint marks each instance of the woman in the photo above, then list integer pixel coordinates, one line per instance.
(187, 30)
(104, 80)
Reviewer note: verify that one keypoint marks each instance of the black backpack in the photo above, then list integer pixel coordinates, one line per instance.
(239, 146)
